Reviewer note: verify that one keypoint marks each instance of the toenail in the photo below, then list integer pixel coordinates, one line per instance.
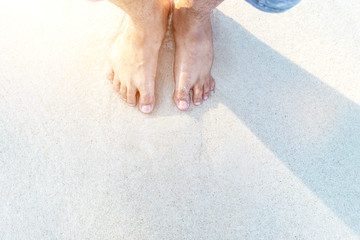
(206, 97)
(183, 105)
(197, 103)
(146, 108)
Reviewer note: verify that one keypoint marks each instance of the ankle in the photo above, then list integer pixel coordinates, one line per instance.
(151, 19)
(189, 21)
(191, 16)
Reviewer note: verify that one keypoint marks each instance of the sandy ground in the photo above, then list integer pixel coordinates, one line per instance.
(274, 154)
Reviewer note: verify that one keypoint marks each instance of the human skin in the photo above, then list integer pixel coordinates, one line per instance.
(194, 52)
(133, 61)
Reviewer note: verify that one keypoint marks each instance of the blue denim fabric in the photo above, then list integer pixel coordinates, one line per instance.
(273, 6)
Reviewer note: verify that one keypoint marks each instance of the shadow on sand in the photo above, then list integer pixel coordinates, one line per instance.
(313, 129)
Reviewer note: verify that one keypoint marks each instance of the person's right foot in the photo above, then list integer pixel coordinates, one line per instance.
(133, 61)
(193, 58)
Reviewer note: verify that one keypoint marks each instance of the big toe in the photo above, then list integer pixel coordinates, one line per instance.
(147, 102)
(182, 99)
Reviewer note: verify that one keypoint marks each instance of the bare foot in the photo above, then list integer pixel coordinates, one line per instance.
(134, 57)
(193, 58)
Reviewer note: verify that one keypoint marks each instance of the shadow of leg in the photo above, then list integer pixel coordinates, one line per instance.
(313, 129)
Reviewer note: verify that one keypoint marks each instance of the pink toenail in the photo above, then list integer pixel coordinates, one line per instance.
(183, 105)
(197, 103)
(206, 97)
(146, 109)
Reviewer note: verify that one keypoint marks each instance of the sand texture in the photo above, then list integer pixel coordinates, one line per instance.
(273, 154)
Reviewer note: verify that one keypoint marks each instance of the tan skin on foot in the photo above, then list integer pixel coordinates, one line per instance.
(194, 52)
(135, 53)
(193, 57)
(134, 57)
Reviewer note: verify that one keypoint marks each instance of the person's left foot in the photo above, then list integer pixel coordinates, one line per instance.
(193, 58)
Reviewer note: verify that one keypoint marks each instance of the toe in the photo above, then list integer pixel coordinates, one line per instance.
(110, 74)
(206, 93)
(212, 84)
(182, 99)
(123, 91)
(131, 96)
(116, 84)
(197, 95)
(146, 101)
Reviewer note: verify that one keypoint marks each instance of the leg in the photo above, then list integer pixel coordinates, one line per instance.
(133, 61)
(194, 51)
